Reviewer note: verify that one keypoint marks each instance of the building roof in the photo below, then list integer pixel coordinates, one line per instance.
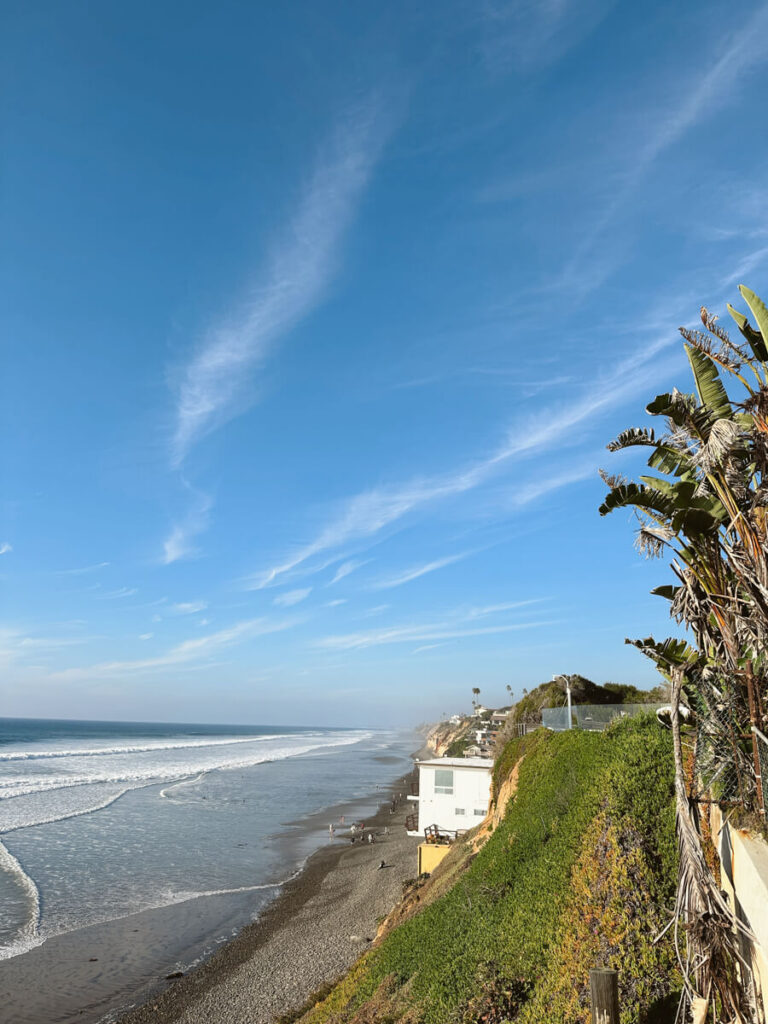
(458, 762)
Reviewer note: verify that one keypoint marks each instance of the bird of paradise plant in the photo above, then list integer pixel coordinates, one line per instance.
(706, 505)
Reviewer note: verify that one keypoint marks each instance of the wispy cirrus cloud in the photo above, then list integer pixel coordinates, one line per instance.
(187, 607)
(116, 595)
(347, 568)
(412, 634)
(497, 609)
(185, 653)
(5, 548)
(292, 597)
(370, 512)
(706, 92)
(213, 386)
(530, 34)
(415, 572)
(81, 570)
(179, 543)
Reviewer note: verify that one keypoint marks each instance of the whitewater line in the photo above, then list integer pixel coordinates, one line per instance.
(187, 781)
(76, 814)
(28, 933)
(36, 755)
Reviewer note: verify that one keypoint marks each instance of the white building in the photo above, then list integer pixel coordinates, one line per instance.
(454, 793)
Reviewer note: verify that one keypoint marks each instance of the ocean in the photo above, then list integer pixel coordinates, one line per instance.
(102, 820)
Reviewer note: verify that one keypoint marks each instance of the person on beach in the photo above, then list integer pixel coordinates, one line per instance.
(370, 837)
(331, 831)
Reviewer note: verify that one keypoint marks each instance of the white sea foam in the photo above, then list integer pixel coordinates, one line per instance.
(145, 748)
(183, 782)
(27, 935)
(42, 795)
(44, 787)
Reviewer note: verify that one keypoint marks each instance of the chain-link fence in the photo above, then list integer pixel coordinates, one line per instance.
(591, 716)
(762, 754)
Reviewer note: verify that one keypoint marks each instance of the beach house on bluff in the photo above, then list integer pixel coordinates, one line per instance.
(453, 794)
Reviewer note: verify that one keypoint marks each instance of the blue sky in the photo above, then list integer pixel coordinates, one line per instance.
(317, 320)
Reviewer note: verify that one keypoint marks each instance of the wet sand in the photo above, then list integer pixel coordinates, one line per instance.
(317, 927)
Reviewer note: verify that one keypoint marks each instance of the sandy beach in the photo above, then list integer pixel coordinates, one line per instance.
(316, 928)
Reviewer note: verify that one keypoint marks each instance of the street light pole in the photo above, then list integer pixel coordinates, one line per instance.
(568, 694)
(568, 690)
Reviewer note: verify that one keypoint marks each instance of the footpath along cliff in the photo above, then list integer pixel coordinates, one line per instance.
(574, 867)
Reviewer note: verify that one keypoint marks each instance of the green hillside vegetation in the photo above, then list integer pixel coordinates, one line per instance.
(583, 691)
(579, 873)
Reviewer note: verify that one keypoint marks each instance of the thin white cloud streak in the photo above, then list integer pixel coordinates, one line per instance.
(495, 609)
(708, 93)
(116, 595)
(371, 511)
(300, 270)
(188, 607)
(17, 645)
(336, 603)
(531, 34)
(5, 548)
(411, 634)
(428, 647)
(82, 570)
(416, 572)
(292, 597)
(179, 543)
(185, 653)
(146, 636)
(347, 568)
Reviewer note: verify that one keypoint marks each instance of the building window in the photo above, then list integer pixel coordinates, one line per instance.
(444, 780)
(479, 813)
(460, 810)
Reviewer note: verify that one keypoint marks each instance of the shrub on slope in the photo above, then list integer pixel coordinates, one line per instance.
(579, 873)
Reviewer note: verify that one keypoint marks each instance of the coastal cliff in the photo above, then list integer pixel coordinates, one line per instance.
(443, 736)
(574, 867)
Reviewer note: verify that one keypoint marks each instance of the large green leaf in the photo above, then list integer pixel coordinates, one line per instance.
(667, 590)
(754, 338)
(629, 495)
(670, 653)
(676, 406)
(670, 460)
(712, 394)
(633, 437)
(760, 313)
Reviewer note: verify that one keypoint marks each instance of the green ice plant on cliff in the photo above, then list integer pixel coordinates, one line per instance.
(579, 872)
(706, 505)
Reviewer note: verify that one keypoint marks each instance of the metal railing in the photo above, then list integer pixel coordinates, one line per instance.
(591, 716)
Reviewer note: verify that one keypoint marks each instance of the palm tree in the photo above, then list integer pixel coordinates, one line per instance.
(475, 695)
(708, 510)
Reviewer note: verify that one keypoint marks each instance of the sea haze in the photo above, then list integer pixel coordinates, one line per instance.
(101, 820)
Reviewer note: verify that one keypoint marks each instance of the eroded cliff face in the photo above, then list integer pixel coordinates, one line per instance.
(441, 736)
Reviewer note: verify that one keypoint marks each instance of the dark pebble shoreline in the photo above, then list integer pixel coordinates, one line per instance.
(318, 925)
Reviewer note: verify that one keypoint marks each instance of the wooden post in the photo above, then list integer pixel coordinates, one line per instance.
(604, 989)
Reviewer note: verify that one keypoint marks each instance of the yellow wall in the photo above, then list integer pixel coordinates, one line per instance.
(430, 855)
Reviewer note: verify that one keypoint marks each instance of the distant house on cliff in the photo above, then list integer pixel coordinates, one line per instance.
(453, 794)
